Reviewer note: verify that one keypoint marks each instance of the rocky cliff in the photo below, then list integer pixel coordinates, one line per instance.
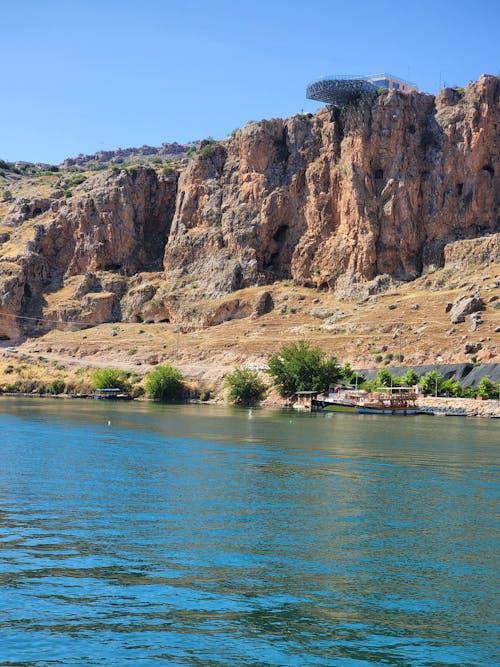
(123, 155)
(85, 250)
(336, 199)
(347, 200)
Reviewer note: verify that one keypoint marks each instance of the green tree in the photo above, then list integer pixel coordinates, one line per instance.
(487, 388)
(298, 367)
(165, 384)
(452, 387)
(350, 376)
(431, 383)
(346, 373)
(410, 378)
(383, 378)
(109, 378)
(207, 147)
(245, 386)
(358, 379)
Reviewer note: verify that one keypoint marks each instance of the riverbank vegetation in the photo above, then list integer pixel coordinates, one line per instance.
(433, 383)
(110, 378)
(245, 387)
(295, 367)
(299, 367)
(165, 384)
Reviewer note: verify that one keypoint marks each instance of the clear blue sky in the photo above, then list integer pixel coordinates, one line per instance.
(84, 75)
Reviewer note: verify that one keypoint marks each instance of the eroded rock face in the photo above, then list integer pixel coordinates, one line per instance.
(25, 209)
(121, 224)
(351, 200)
(11, 295)
(472, 251)
(336, 199)
(116, 225)
(264, 305)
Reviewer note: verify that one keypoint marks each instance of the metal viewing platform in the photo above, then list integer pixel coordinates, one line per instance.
(342, 89)
(339, 89)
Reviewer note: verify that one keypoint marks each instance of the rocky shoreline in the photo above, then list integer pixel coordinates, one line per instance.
(459, 407)
(469, 407)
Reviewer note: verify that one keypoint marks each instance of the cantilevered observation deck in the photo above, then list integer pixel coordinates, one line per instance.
(339, 89)
(342, 89)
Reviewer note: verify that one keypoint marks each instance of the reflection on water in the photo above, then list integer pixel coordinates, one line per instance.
(196, 535)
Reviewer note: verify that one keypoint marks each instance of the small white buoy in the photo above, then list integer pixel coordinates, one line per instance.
(109, 423)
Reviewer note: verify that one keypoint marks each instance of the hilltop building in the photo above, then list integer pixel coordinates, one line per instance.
(392, 82)
(341, 89)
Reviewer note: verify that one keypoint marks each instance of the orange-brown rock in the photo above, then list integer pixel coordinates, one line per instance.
(341, 197)
(116, 224)
(352, 200)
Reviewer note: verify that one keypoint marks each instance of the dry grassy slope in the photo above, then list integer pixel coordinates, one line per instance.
(410, 320)
(23, 186)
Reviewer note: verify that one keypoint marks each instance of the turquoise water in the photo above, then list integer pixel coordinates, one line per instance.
(208, 536)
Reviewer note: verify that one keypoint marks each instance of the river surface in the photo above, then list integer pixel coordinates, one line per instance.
(145, 535)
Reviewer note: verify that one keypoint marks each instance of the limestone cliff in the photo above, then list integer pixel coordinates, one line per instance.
(343, 196)
(114, 226)
(339, 200)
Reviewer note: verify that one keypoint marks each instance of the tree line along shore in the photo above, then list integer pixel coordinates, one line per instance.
(295, 367)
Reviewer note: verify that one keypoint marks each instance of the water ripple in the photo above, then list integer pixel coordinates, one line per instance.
(196, 536)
